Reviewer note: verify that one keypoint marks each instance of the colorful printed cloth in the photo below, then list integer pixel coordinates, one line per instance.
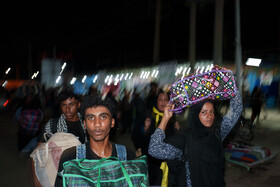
(161, 150)
(245, 153)
(216, 84)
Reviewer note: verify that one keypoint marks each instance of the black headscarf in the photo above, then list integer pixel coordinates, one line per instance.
(204, 150)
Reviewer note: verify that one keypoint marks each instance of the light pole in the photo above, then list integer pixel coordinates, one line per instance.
(238, 49)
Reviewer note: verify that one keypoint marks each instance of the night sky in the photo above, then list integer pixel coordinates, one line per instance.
(110, 34)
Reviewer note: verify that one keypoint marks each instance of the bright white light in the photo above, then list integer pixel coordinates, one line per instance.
(95, 78)
(178, 71)
(117, 79)
(184, 71)
(58, 79)
(7, 71)
(84, 79)
(126, 76)
(253, 62)
(5, 83)
(154, 71)
(63, 65)
(207, 68)
(189, 70)
(121, 77)
(106, 79)
(62, 68)
(110, 80)
(147, 74)
(211, 66)
(141, 76)
(130, 75)
(73, 80)
(144, 76)
(156, 74)
(202, 69)
(197, 69)
(35, 75)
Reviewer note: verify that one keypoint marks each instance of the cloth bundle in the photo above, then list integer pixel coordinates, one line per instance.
(218, 84)
(244, 153)
(247, 155)
(46, 156)
(106, 172)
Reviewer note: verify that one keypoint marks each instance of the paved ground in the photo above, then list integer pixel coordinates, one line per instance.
(262, 175)
(268, 173)
(15, 169)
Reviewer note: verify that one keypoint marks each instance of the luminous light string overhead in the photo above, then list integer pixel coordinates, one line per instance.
(146, 75)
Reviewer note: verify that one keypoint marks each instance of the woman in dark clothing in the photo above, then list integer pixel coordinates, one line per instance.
(200, 147)
(143, 130)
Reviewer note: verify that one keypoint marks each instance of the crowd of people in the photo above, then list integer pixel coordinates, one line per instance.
(154, 130)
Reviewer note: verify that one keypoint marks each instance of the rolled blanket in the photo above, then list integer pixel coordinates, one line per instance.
(218, 84)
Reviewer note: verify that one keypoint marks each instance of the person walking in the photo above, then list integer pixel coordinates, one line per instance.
(98, 120)
(144, 128)
(257, 102)
(69, 121)
(29, 117)
(199, 150)
(126, 107)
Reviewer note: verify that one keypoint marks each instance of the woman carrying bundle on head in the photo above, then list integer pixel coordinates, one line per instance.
(199, 149)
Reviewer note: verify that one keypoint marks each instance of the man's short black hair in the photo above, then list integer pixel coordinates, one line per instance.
(90, 101)
(67, 93)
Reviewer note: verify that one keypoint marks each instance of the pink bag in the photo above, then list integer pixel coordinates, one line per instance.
(218, 84)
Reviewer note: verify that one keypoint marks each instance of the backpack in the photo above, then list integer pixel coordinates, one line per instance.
(47, 155)
(81, 152)
(111, 171)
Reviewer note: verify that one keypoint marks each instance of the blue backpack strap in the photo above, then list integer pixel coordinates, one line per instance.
(81, 151)
(121, 152)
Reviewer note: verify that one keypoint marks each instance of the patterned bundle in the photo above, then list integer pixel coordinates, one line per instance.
(216, 84)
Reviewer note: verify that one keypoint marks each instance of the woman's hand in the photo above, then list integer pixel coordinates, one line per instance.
(167, 114)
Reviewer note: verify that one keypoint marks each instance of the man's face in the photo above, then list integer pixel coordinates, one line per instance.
(70, 108)
(98, 122)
